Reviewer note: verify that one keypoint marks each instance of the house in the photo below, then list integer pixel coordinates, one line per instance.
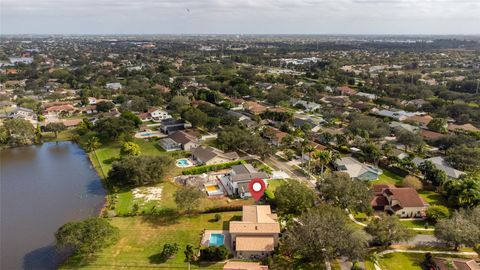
(23, 113)
(462, 128)
(398, 115)
(154, 114)
(417, 102)
(238, 104)
(239, 178)
(367, 95)
(309, 106)
(254, 107)
(113, 86)
(231, 265)
(171, 125)
(256, 235)
(186, 140)
(431, 135)
(66, 109)
(337, 100)
(356, 169)
(421, 120)
(313, 121)
(455, 263)
(316, 147)
(158, 115)
(403, 202)
(90, 109)
(209, 155)
(397, 126)
(440, 164)
(274, 135)
(399, 154)
(345, 90)
(169, 145)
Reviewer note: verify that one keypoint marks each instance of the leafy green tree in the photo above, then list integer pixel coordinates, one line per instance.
(323, 158)
(92, 144)
(179, 103)
(196, 117)
(464, 157)
(105, 106)
(458, 230)
(169, 250)
(213, 253)
(235, 138)
(367, 126)
(87, 236)
(111, 128)
(463, 192)
(294, 197)
(437, 212)
(387, 230)
(141, 170)
(55, 127)
(344, 192)
(3, 135)
(372, 152)
(130, 149)
(131, 117)
(438, 125)
(324, 233)
(187, 198)
(409, 139)
(432, 174)
(20, 131)
(190, 254)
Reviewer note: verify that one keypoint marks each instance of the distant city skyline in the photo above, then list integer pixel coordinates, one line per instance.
(403, 17)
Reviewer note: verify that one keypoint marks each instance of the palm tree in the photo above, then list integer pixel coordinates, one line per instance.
(323, 157)
(92, 144)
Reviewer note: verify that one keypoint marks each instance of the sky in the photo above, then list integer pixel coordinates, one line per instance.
(239, 16)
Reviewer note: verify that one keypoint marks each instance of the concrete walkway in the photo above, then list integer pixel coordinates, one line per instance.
(365, 225)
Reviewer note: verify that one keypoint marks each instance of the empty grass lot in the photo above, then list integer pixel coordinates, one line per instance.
(141, 238)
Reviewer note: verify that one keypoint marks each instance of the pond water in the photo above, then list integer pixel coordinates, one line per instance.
(41, 188)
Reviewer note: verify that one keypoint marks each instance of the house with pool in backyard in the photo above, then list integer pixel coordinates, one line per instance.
(254, 237)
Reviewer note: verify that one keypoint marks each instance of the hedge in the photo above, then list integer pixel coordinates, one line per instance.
(214, 167)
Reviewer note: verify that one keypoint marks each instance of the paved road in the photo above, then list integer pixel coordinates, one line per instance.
(292, 171)
(424, 240)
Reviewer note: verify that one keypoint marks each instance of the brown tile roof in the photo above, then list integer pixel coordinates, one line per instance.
(346, 90)
(425, 119)
(431, 135)
(254, 107)
(254, 243)
(182, 137)
(460, 264)
(407, 197)
(378, 189)
(256, 219)
(379, 202)
(464, 127)
(244, 266)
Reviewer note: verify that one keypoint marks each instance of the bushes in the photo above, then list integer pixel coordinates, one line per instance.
(214, 253)
(209, 168)
(437, 212)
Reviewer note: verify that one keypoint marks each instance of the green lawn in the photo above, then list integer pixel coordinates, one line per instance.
(433, 198)
(415, 223)
(388, 177)
(142, 237)
(401, 261)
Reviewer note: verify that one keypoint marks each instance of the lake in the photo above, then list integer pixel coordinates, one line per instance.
(41, 188)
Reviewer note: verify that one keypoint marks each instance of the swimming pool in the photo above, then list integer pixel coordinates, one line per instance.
(183, 162)
(146, 134)
(216, 239)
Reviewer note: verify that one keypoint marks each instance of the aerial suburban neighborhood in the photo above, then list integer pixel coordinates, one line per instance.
(368, 149)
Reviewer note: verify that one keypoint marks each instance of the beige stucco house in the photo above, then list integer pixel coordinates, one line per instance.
(256, 236)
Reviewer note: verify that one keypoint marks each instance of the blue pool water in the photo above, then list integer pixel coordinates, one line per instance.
(182, 162)
(217, 239)
(146, 134)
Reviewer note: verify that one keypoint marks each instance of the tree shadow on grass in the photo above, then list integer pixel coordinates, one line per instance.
(158, 258)
(110, 160)
(201, 264)
(162, 217)
(226, 223)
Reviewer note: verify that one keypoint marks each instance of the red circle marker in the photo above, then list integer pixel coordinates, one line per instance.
(256, 188)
